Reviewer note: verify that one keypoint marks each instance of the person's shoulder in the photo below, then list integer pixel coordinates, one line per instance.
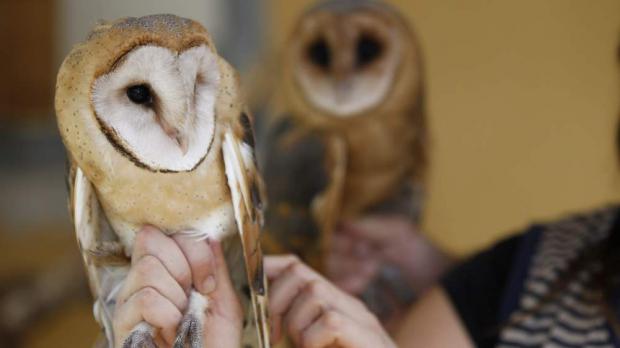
(485, 288)
(576, 231)
(559, 256)
(546, 248)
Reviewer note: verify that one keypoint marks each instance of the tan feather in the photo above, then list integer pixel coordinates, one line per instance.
(238, 172)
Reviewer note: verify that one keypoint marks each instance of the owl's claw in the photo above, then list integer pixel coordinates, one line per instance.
(140, 339)
(190, 331)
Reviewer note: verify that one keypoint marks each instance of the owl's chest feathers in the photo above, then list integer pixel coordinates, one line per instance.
(196, 202)
(379, 159)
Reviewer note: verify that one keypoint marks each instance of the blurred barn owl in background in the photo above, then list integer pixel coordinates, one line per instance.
(345, 134)
(157, 134)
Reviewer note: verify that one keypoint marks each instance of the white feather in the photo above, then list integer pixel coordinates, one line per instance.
(345, 98)
(185, 88)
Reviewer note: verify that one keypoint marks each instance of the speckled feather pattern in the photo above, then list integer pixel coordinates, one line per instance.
(196, 202)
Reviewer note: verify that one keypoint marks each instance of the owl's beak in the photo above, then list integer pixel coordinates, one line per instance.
(180, 140)
(183, 143)
(342, 88)
(176, 135)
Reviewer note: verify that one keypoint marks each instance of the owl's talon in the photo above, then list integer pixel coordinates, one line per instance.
(190, 331)
(140, 339)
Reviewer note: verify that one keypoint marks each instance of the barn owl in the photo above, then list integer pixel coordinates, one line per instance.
(346, 133)
(156, 133)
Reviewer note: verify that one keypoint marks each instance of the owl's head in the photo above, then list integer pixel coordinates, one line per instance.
(345, 56)
(148, 85)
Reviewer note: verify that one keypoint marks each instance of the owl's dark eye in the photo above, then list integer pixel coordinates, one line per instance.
(140, 94)
(368, 50)
(319, 53)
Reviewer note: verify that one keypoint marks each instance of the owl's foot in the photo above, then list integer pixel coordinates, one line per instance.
(190, 329)
(140, 337)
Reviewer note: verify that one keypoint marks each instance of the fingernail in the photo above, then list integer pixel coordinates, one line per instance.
(209, 284)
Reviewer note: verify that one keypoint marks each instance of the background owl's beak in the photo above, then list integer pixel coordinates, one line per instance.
(342, 88)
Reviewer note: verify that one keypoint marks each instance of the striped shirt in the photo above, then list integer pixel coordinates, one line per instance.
(514, 311)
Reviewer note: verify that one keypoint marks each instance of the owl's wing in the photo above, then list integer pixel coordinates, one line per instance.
(102, 255)
(304, 174)
(244, 183)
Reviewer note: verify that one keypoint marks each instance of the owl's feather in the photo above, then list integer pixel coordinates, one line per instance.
(106, 264)
(243, 182)
(105, 268)
(305, 172)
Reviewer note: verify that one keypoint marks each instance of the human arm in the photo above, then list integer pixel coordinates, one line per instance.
(433, 323)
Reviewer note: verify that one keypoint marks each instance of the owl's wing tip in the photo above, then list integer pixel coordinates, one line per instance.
(249, 229)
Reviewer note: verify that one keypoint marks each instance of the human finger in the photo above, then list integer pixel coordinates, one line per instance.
(149, 272)
(330, 330)
(224, 293)
(288, 275)
(275, 264)
(201, 262)
(150, 306)
(151, 241)
(306, 308)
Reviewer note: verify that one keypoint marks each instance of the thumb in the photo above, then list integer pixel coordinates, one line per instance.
(222, 276)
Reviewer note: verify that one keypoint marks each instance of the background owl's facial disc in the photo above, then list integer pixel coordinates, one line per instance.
(158, 106)
(345, 64)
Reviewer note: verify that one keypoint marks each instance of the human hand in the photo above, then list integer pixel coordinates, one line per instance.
(360, 247)
(224, 318)
(156, 290)
(315, 313)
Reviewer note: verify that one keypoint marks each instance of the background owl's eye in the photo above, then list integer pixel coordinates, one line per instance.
(368, 50)
(140, 94)
(319, 53)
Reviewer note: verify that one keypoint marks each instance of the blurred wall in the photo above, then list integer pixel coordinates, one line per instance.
(523, 103)
(26, 28)
(77, 17)
(235, 25)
